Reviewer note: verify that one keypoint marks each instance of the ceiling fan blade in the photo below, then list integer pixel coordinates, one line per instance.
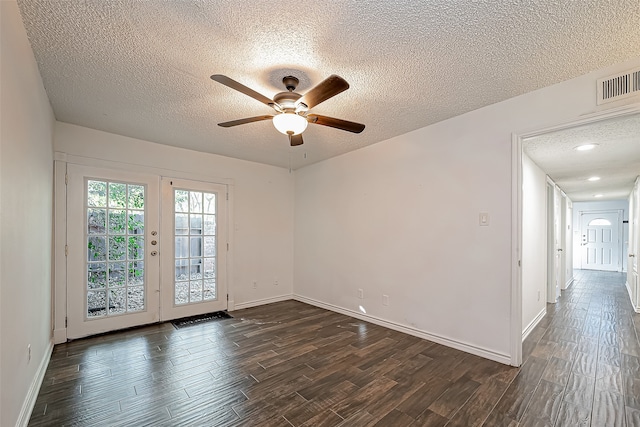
(296, 140)
(329, 87)
(244, 121)
(335, 123)
(241, 88)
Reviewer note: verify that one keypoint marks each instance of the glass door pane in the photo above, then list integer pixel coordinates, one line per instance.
(115, 248)
(195, 246)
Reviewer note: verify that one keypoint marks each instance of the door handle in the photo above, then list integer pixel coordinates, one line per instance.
(631, 255)
(559, 250)
(154, 253)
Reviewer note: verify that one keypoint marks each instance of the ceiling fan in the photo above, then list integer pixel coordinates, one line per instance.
(292, 108)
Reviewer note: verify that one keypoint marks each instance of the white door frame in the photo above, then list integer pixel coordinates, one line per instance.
(61, 159)
(516, 212)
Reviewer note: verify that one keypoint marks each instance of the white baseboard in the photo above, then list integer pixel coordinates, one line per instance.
(635, 307)
(34, 388)
(534, 323)
(258, 302)
(458, 345)
(569, 283)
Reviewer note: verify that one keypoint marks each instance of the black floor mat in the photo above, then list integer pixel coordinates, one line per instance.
(195, 320)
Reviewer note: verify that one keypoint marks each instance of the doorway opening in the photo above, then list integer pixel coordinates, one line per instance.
(615, 125)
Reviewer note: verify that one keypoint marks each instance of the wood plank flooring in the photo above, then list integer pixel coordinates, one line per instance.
(291, 364)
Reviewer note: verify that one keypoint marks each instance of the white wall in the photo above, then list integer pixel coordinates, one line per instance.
(609, 205)
(26, 183)
(401, 218)
(534, 244)
(262, 248)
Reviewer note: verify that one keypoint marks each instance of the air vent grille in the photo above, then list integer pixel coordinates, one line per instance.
(619, 86)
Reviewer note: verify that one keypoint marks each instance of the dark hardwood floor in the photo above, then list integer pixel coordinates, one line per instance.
(293, 364)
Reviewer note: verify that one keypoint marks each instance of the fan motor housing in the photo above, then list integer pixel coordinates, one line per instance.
(287, 100)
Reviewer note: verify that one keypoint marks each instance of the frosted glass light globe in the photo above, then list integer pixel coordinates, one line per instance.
(290, 122)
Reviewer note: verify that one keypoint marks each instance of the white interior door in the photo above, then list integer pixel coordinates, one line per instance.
(557, 238)
(563, 241)
(600, 240)
(194, 253)
(568, 244)
(113, 273)
(634, 245)
(553, 243)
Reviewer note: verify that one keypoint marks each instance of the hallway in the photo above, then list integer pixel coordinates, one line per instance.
(582, 362)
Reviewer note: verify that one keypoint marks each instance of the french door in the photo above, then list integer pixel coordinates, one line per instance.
(113, 272)
(195, 248)
(116, 245)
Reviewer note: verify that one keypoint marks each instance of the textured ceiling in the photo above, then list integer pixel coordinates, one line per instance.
(141, 68)
(615, 159)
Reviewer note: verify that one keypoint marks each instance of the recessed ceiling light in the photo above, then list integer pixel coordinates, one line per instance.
(597, 195)
(585, 147)
(594, 178)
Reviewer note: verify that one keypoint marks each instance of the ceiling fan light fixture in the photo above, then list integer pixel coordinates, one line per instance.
(289, 123)
(291, 107)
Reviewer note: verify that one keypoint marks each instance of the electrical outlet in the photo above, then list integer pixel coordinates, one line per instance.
(275, 282)
(255, 284)
(29, 353)
(385, 300)
(360, 294)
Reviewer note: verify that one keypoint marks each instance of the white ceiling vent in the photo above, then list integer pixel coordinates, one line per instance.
(618, 86)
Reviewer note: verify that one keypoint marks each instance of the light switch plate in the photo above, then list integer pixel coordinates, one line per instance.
(484, 218)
